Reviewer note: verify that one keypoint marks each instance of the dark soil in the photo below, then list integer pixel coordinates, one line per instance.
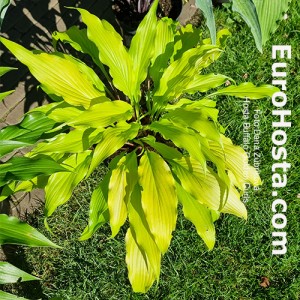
(170, 8)
(129, 13)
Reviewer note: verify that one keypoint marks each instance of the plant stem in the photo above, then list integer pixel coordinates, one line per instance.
(137, 111)
(102, 68)
(109, 93)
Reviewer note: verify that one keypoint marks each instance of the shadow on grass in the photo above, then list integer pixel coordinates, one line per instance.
(29, 289)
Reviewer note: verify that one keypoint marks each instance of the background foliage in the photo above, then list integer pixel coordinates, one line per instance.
(261, 16)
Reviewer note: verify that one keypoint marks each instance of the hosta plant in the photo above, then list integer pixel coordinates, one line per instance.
(4, 70)
(135, 110)
(4, 4)
(262, 17)
(13, 231)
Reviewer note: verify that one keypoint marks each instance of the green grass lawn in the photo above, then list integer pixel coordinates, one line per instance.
(95, 269)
